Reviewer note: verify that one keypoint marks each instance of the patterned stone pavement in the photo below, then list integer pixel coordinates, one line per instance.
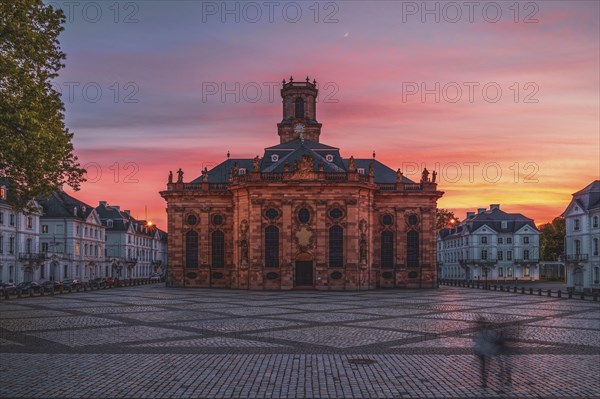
(155, 342)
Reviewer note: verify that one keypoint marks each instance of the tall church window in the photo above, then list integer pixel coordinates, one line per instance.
(336, 246)
(272, 246)
(412, 249)
(191, 249)
(387, 249)
(218, 249)
(299, 108)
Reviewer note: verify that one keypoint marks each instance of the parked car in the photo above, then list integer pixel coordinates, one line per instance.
(112, 281)
(97, 282)
(8, 287)
(25, 286)
(48, 285)
(73, 283)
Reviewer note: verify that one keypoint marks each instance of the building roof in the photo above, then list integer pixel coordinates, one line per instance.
(62, 205)
(588, 198)
(493, 219)
(123, 221)
(291, 152)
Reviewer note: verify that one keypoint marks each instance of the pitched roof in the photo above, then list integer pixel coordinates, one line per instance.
(293, 151)
(123, 221)
(61, 204)
(588, 198)
(493, 219)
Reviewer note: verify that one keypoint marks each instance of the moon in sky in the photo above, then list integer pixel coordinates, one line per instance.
(346, 34)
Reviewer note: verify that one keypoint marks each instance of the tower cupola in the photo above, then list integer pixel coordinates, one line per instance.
(299, 111)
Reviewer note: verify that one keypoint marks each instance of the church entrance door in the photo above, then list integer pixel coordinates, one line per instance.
(304, 273)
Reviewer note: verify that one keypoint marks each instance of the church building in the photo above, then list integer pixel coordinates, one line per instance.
(302, 216)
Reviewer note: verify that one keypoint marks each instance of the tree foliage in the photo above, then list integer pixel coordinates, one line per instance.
(36, 151)
(552, 239)
(445, 218)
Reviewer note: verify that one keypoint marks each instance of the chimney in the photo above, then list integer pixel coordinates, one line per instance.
(102, 203)
(470, 214)
(494, 206)
(480, 210)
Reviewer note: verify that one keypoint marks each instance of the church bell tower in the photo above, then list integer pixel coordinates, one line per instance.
(299, 111)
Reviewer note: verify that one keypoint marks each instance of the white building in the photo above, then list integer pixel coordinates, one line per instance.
(72, 238)
(19, 241)
(582, 218)
(490, 245)
(134, 248)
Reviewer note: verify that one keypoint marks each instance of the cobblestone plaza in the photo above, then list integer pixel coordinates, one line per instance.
(156, 342)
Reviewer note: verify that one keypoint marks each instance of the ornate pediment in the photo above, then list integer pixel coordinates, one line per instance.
(304, 169)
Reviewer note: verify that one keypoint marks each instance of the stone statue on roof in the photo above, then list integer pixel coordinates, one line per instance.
(180, 176)
(433, 176)
(256, 164)
(425, 176)
(170, 177)
(351, 165)
(399, 176)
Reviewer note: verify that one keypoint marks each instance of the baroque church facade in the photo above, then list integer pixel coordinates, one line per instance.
(302, 216)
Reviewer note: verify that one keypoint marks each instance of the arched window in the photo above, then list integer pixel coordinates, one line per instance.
(218, 249)
(412, 249)
(299, 108)
(191, 249)
(387, 249)
(271, 246)
(336, 246)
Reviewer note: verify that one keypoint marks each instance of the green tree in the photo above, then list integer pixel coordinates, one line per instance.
(445, 218)
(552, 239)
(36, 152)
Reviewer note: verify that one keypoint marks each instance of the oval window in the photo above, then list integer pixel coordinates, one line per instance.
(192, 220)
(329, 158)
(271, 213)
(303, 215)
(336, 213)
(272, 276)
(335, 275)
(274, 158)
(387, 220)
(217, 220)
(413, 220)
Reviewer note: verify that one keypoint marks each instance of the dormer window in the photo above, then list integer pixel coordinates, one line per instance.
(274, 158)
(242, 171)
(329, 158)
(361, 171)
(504, 224)
(3, 192)
(75, 210)
(109, 223)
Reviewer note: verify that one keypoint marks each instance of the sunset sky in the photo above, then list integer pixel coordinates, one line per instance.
(141, 75)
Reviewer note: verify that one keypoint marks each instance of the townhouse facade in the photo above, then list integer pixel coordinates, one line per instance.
(19, 241)
(72, 239)
(490, 244)
(582, 241)
(134, 248)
